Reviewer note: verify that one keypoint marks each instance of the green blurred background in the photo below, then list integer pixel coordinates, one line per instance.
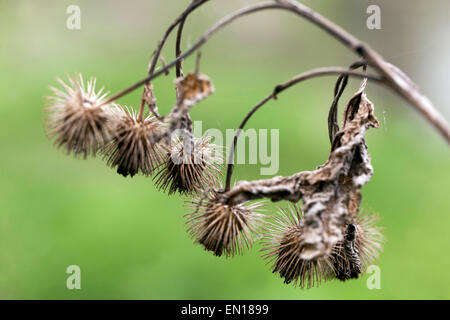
(128, 238)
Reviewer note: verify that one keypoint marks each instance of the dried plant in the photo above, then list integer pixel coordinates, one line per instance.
(286, 247)
(74, 119)
(369, 238)
(223, 228)
(284, 243)
(331, 238)
(360, 247)
(193, 88)
(134, 149)
(189, 166)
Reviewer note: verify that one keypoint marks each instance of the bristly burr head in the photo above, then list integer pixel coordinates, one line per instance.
(283, 243)
(222, 228)
(74, 119)
(134, 148)
(189, 166)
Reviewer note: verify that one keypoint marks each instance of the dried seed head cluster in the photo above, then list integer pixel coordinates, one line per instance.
(134, 149)
(284, 243)
(74, 119)
(330, 241)
(222, 228)
(348, 259)
(189, 166)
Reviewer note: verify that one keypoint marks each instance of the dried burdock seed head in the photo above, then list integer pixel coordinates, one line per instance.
(189, 166)
(193, 88)
(361, 246)
(133, 149)
(222, 228)
(284, 243)
(74, 120)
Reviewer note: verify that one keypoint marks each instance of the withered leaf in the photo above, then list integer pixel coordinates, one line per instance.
(193, 88)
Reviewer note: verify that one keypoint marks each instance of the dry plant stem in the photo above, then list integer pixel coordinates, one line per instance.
(396, 79)
(178, 68)
(178, 52)
(339, 88)
(280, 88)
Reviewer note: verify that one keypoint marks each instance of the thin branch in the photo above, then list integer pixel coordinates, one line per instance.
(280, 88)
(192, 6)
(179, 66)
(341, 83)
(396, 79)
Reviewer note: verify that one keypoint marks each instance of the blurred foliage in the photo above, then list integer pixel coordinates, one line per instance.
(130, 239)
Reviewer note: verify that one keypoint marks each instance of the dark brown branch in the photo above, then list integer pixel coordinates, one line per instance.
(178, 48)
(278, 89)
(225, 21)
(294, 187)
(192, 6)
